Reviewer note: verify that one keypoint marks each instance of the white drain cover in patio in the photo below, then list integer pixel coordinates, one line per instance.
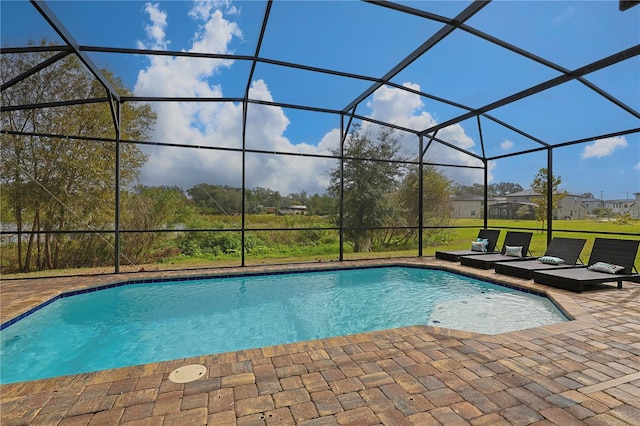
(188, 373)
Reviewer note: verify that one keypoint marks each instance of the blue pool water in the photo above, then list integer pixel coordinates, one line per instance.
(143, 323)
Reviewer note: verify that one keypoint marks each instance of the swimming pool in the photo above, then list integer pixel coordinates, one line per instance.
(158, 321)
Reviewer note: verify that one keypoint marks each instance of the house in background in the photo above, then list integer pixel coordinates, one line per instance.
(571, 207)
(592, 205)
(634, 210)
(520, 205)
(619, 207)
(613, 208)
(469, 206)
(293, 210)
(510, 205)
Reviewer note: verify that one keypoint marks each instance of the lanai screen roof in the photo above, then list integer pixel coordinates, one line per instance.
(489, 80)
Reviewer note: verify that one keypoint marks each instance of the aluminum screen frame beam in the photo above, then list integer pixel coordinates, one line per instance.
(44, 64)
(471, 10)
(573, 75)
(55, 23)
(245, 112)
(508, 46)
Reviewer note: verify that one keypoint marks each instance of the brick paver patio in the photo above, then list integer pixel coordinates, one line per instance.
(585, 371)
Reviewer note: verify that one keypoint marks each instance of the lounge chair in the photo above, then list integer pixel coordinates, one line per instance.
(566, 249)
(513, 239)
(605, 250)
(454, 256)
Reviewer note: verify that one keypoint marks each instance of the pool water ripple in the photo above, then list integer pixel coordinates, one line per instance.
(143, 323)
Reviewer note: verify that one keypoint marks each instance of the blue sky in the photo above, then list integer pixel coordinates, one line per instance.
(360, 38)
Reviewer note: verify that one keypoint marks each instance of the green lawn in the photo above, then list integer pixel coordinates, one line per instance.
(458, 238)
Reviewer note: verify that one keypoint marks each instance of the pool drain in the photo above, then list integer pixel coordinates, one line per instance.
(188, 373)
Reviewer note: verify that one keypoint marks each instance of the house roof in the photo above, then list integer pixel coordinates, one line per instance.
(468, 197)
(525, 193)
(511, 204)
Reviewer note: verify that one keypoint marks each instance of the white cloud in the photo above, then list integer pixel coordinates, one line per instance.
(563, 18)
(604, 147)
(155, 31)
(398, 107)
(220, 124)
(202, 8)
(637, 166)
(506, 145)
(404, 109)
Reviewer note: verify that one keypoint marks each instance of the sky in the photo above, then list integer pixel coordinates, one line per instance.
(360, 38)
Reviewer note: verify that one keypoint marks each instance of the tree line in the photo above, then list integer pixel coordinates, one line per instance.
(227, 200)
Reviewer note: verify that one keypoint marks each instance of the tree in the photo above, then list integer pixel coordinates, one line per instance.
(436, 203)
(475, 189)
(321, 205)
(148, 208)
(499, 189)
(216, 199)
(368, 184)
(540, 186)
(602, 212)
(55, 183)
(264, 197)
(301, 199)
(522, 212)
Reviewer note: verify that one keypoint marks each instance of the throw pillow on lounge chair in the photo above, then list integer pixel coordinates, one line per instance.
(551, 260)
(606, 267)
(515, 251)
(480, 245)
(477, 246)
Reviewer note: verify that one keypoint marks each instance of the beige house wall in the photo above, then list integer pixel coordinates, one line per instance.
(465, 209)
(635, 207)
(570, 207)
